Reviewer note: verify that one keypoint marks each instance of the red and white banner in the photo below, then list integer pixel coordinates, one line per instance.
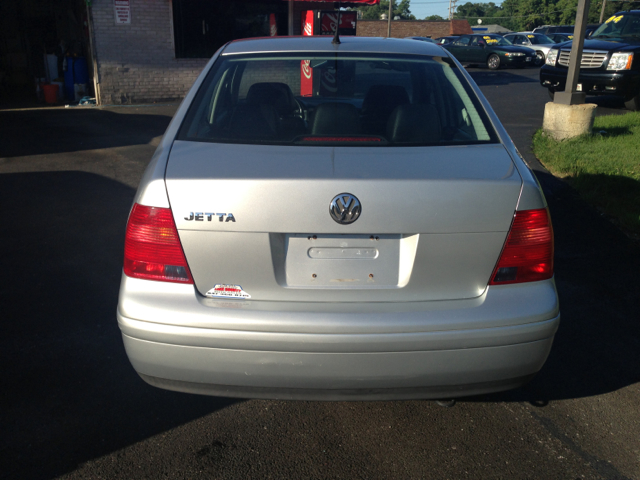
(122, 10)
(306, 79)
(273, 26)
(329, 20)
(306, 72)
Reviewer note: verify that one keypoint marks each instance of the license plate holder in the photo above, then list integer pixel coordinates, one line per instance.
(342, 261)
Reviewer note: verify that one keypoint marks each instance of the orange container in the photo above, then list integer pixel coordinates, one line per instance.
(50, 93)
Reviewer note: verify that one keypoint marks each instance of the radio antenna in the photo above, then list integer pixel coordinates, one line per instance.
(336, 37)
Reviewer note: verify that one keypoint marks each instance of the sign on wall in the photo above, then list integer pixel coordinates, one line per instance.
(122, 11)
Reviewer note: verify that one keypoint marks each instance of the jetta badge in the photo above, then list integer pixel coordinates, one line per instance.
(345, 208)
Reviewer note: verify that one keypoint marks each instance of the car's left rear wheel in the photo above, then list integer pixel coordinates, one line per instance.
(539, 59)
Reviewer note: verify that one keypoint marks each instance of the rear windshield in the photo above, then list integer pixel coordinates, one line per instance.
(319, 99)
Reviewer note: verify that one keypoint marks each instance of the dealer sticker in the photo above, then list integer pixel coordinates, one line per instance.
(227, 291)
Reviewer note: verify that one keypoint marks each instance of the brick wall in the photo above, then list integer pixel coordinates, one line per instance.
(136, 62)
(282, 72)
(412, 28)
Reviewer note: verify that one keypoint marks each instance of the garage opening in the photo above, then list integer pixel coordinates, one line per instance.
(202, 26)
(44, 42)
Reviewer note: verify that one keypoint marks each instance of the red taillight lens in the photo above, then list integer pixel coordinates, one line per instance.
(527, 255)
(152, 249)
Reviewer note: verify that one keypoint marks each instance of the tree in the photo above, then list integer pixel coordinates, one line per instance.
(435, 18)
(485, 11)
(525, 15)
(400, 9)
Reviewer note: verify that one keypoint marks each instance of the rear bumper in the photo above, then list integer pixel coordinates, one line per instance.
(359, 351)
(336, 376)
(596, 82)
(418, 393)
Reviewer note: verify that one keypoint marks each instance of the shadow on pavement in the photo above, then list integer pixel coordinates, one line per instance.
(608, 101)
(596, 270)
(69, 394)
(616, 195)
(51, 131)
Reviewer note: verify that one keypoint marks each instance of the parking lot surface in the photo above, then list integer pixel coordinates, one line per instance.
(72, 406)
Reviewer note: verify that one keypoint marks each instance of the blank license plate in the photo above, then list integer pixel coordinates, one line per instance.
(342, 261)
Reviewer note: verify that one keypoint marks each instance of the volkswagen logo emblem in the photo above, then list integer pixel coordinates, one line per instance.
(345, 208)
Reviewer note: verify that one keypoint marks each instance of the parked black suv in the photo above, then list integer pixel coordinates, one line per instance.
(610, 61)
(549, 30)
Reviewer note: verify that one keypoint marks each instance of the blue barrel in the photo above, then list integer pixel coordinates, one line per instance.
(80, 71)
(69, 79)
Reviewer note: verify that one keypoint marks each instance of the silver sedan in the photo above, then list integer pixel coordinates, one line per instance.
(538, 42)
(337, 221)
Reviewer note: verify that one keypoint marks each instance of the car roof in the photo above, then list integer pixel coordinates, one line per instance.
(322, 43)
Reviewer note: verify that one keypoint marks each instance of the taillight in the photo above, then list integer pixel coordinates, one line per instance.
(527, 255)
(152, 249)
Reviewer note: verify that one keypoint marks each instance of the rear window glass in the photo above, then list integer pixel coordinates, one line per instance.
(347, 99)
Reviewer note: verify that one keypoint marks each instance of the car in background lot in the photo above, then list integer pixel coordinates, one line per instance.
(337, 221)
(422, 39)
(536, 41)
(443, 41)
(565, 29)
(548, 29)
(493, 50)
(560, 37)
(610, 63)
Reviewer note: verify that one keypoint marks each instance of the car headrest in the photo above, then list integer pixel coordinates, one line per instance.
(384, 98)
(278, 95)
(336, 118)
(253, 121)
(414, 124)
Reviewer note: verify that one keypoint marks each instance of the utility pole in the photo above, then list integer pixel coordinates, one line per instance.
(452, 8)
(604, 4)
(389, 19)
(571, 96)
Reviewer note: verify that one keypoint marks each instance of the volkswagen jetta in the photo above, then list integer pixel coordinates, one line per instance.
(337, 221)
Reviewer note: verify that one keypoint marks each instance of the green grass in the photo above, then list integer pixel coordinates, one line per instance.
(604, 167)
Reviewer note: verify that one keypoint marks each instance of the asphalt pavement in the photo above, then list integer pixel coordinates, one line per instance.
(72, 407)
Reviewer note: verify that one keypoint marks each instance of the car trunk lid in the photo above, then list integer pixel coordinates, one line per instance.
(432, 225)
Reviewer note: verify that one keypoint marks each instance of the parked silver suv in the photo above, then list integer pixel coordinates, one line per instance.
(337, 221)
